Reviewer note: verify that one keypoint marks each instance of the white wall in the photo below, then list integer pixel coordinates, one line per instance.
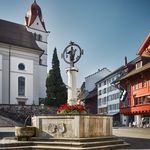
(37, 24)
(110, 103)
(27, 73)
(44, 59)
(0, 79)
(37, 28)
(27, 62)
(42, 81)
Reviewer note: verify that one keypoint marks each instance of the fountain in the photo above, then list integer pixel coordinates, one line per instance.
(75, 131)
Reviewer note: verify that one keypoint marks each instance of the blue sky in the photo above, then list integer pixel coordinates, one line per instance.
(107, 30)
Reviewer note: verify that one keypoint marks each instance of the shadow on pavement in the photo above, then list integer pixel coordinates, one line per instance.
(6, 134)
(138, 143)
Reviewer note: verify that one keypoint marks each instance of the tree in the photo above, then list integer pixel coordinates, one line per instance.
(56, 89)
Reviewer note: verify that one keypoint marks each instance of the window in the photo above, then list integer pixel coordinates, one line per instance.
(144, 83)
(100, 92)
(104, 91)
(21, 66)
(34, 35)
(99, 101)
(21, 86)
(109, 81)
(99, 84)
(138, 64)
(128, 87)
(40, 61)
(104, 100)
(38, 37)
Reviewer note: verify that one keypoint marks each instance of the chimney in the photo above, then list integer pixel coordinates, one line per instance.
(125, 60)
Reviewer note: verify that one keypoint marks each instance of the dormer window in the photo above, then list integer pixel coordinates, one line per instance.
(138, 64)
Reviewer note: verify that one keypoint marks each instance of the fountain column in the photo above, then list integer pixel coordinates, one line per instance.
(72, 88)
(71, 55)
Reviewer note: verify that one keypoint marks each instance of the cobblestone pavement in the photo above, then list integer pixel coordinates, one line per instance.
(138, 138)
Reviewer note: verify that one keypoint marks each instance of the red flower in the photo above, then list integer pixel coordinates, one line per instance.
(71, 109)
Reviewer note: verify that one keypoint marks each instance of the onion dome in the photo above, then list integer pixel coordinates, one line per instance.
(33, 11)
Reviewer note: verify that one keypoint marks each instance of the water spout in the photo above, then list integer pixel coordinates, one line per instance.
(25, 122)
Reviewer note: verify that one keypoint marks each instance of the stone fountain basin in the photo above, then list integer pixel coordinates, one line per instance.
(24, 133)
(72, 126)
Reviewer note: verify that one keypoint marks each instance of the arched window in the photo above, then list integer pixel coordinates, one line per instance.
(21, 66)
(21, 86)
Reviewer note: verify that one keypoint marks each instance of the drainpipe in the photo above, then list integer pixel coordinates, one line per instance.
(9, 74)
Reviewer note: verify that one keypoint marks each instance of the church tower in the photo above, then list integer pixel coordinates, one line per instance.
(35, 24)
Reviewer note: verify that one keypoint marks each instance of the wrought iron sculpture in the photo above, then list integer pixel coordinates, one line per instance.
(72, 53)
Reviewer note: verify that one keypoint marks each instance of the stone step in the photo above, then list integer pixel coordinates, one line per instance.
(80, 144)
(104, 138)
(17, 148)
(63, 144)
(106, 147)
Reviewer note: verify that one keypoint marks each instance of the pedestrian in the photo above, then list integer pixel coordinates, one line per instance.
(143, 122)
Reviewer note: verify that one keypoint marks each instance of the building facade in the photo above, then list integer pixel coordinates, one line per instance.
(88, 92)
(108, 96)
(23, 59)
(136, 106)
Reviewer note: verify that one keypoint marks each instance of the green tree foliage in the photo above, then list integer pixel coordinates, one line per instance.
(56, 89)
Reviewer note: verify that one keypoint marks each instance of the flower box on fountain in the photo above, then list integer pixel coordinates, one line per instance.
(71, 109)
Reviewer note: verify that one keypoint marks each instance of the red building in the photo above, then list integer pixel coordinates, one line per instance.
(137, 83)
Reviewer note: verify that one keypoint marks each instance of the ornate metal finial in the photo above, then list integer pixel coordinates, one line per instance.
(72, 53)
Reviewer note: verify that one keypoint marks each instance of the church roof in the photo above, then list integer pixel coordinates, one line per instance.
(17, 34)
(33, 11)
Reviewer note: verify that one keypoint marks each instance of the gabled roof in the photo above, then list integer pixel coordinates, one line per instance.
(136, 71)
(115, 71)
(144, 48)
(16, 34)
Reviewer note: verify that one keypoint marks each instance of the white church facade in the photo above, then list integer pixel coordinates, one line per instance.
(23, 59)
